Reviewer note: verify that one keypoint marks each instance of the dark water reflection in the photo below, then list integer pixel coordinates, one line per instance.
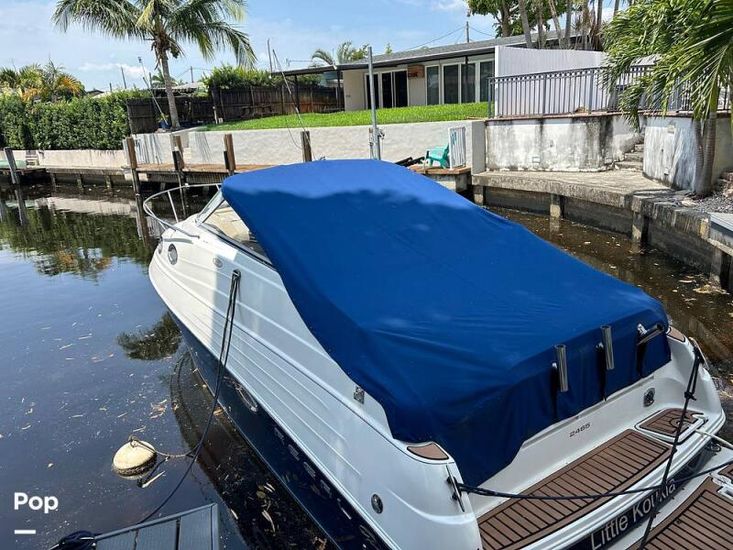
(698, 309)
(89, 356)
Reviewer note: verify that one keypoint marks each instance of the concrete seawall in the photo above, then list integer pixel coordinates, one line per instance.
(622, 202)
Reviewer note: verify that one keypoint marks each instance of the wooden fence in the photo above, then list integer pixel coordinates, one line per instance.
(228, 105)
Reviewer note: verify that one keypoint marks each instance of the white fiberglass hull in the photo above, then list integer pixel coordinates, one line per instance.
(403, 498)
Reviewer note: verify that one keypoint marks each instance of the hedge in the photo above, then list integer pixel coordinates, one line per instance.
(81, 123)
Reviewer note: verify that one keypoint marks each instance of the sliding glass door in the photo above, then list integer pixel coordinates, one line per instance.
(451, 84)
(390, 89)
(432, 84)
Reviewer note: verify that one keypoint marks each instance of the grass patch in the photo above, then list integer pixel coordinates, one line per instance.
(422, 113)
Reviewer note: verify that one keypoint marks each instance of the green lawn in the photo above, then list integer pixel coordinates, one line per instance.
(429, 113)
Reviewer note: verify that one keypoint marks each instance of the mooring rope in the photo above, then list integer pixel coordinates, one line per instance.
(226, 341)
(689, 396)
(82, 540)
(664, 485)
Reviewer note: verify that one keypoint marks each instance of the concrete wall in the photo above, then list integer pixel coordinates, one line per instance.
(570, 143)
(283, 147)
(96, 158)
(670, 149)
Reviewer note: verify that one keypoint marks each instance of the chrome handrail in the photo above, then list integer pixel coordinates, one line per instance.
(149, 210)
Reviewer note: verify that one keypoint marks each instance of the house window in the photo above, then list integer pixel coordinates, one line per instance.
(390, 89)
(486, 71)
(432, 82)
(468, 83)
(387, 91)
(451, 84)
(400, 88)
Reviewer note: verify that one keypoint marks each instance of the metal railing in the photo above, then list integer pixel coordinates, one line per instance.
(558, 92)
(148, 206)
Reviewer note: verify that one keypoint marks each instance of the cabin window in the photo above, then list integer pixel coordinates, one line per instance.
(432, 81)
(226, 221)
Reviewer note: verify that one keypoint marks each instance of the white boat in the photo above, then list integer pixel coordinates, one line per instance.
(421, 373)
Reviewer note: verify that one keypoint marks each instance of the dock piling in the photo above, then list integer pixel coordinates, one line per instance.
(230, 161)
(132, 163)
(10, 158)
(178, 163)
(305, 140)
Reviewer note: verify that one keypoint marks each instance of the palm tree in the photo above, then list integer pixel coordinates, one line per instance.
(158, 80)
(57, 83)
(344, 54)
(693, 42)
(35, 82)
(167, 24)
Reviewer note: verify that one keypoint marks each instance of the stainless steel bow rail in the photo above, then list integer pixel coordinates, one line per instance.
(149, 203)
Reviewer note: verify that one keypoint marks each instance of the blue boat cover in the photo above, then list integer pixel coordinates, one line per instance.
(443, 312)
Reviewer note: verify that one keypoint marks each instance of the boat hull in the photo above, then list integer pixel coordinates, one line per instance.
(290, 464)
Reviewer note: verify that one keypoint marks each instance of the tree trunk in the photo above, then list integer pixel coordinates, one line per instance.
(540, 24)
(556, 22)
(584, 25)
(163, 60)
(704, 181)
(599, 19)
(616, 6)
(525, 23)
(505, 20)
(568, 23)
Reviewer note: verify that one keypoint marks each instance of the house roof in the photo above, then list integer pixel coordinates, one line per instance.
(424, 54)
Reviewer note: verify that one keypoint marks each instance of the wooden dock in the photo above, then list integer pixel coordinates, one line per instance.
(196, 529)
(193, 173)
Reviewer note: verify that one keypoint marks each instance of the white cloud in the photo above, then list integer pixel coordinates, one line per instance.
(129, 70)
(449, 5)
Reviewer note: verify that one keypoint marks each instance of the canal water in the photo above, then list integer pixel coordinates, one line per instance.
(89, 357)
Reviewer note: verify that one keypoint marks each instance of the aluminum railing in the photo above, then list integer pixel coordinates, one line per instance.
(579, 91)
(557, 92)
(148, 206)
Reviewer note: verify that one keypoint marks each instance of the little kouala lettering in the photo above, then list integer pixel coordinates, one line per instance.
(620, 524)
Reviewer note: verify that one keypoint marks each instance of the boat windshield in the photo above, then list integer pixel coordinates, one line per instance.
(221, 217)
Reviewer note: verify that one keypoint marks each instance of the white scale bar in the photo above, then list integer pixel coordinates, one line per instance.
(25, 531)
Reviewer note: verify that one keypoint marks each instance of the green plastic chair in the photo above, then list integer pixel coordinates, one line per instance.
(439, 155)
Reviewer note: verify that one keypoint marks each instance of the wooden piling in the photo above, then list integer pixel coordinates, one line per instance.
(305, 141)
(132, 163)
(178, 163)
(10, 157)
(230, 161)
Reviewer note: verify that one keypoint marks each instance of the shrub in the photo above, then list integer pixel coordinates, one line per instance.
(14, 131)
(229, 77)
(80, 123)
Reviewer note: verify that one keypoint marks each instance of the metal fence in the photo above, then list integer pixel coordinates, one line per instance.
(575, 91)
(557, 92)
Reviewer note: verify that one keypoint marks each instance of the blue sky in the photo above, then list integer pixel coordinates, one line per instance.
(295, 29)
